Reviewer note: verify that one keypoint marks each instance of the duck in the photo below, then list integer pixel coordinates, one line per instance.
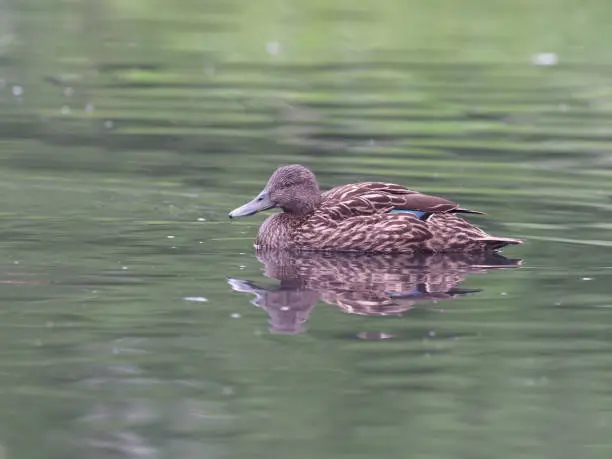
(376, 217)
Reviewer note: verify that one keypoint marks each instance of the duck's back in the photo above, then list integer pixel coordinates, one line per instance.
(385, 217)
(368, 198)
(355, 189)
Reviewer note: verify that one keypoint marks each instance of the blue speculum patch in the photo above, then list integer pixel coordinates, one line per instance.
(417, 213)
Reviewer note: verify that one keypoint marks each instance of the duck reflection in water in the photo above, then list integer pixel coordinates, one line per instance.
(360, 283)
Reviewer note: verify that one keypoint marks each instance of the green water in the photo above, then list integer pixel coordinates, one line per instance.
(137, 321)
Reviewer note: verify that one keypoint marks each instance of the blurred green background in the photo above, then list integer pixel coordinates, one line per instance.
(128, 130)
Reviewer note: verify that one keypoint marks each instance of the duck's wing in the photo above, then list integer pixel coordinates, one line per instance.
(364, 233)
(356, 189)
(368, 198)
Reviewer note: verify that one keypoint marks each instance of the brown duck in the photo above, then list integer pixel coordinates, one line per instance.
(361, 217)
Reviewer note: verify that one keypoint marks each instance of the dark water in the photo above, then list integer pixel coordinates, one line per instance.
(138, 322)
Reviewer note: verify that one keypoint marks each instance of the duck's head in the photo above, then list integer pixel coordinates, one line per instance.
(293, 188)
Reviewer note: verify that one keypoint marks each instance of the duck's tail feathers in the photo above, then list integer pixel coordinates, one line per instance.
(460, 210)
(495, 243)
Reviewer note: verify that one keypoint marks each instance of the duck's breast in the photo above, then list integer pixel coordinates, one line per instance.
(275, 232)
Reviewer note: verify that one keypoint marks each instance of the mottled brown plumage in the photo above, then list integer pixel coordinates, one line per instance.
(365, 217)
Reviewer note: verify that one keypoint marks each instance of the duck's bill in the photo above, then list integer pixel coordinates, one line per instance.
(261, 202)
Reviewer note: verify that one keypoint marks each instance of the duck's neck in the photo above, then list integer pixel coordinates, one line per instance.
(304, 205)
